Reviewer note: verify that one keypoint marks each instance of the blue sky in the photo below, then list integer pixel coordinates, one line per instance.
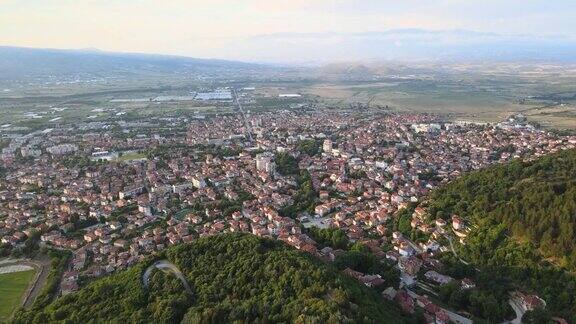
(219, 28)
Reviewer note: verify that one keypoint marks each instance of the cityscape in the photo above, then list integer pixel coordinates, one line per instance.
(429, 180)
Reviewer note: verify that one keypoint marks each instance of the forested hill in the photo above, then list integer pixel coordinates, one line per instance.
(536, 201)
(234, 277)
(523, 221)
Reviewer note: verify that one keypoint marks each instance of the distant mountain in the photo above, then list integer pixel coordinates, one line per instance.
(22, 63)
(403, 45)
(234, 278)
(351, 69)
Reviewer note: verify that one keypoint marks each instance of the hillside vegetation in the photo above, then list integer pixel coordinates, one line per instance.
(235, 277)
(523, 218)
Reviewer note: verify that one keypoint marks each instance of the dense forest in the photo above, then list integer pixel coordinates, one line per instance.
(523, 218)
(235, 278)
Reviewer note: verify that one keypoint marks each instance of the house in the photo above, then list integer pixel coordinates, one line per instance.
(90, 237)
(437, 277)
(442, 317)
(425, 303)
(389, 293)
(419, 212)
(405, 301)
(440, 222)
(457, 223)
(530, 302)
(131, 192)
(373, 280)
(405, 249)
(68, 286)
(393, 255)
(431, 245)
(409, 265)
(198, 181)
(69, 282)
(310, 248)
(467, 284)
(121, 243)
(322, 210)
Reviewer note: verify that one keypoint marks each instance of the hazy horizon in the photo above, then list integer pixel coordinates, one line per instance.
(299, 31)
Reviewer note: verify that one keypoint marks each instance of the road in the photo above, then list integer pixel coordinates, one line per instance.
(166, 266)
(456, 318)
(246, 124)
(518, 310)
(449, 238)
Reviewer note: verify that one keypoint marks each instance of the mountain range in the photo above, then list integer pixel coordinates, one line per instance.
(404, 45)
(22, 63)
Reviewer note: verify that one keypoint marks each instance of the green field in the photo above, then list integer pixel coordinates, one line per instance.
(132, 156)
(12, 286)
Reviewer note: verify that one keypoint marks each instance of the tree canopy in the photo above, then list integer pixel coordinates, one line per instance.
(523, 220)
(235, 278)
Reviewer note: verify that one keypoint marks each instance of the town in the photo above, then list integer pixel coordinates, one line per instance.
(112, 195)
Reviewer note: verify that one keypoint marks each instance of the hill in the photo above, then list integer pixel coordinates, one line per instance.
(22, 63)
(234, 277)
(523, 218)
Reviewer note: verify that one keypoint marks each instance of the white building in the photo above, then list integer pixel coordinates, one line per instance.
(198, 182)
(264, 162)
(327, 146)
(62, 149)
(289, 95)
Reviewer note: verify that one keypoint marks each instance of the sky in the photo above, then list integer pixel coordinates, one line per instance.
(243, 29)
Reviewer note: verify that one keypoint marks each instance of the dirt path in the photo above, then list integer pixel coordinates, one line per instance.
(36, 288)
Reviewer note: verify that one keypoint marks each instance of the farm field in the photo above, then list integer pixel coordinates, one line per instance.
(545, 95)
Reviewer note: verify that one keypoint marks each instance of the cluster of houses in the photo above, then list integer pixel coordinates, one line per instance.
(407, 302)
(214, 179)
